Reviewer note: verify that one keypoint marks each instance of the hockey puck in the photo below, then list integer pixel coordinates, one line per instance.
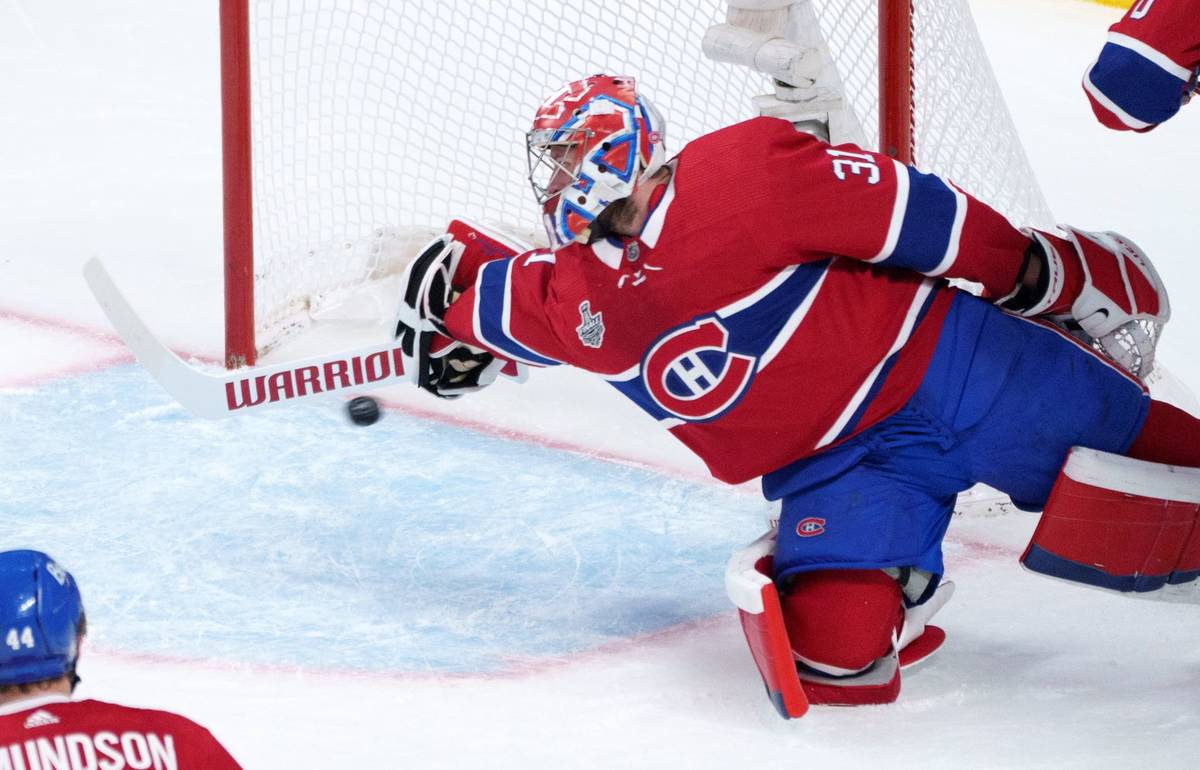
(363, 410)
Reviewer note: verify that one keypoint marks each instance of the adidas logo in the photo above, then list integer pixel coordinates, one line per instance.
(40, 718)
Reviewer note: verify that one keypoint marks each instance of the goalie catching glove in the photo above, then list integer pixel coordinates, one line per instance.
(1100, 287)
(434, 360)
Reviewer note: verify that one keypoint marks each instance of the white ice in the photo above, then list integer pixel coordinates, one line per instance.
(532, 577)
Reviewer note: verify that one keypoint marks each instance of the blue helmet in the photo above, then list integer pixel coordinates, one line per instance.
(41, 618)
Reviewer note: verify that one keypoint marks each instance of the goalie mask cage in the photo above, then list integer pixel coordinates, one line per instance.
(354, 130)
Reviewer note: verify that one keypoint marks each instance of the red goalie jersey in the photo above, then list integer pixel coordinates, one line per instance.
(56, 732)
(758, 315)
(1147, 67)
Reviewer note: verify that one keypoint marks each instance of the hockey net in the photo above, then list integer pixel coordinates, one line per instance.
(961, 126)
(355, 129)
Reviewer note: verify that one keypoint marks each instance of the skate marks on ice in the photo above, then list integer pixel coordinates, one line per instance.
(296, 538)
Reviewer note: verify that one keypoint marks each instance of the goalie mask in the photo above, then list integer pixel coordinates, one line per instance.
(592, 143)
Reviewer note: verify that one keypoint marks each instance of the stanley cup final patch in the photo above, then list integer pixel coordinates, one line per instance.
(591, 326)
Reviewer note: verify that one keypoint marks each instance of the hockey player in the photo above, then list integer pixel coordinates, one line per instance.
(1147, 70)
(779, 305)
(41, 628)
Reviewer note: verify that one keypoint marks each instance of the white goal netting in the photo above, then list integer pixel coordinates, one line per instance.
(375, 122)
(962, 126)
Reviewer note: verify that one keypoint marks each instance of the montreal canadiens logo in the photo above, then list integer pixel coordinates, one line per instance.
(810, 527)
(691, 373)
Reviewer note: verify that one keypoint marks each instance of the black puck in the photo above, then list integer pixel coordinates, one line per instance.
(363, 410)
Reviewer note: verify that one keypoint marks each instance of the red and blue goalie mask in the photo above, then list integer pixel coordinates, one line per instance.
(592, 143)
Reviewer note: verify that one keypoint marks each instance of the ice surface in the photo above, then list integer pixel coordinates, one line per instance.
(527, 578)
(298, 538)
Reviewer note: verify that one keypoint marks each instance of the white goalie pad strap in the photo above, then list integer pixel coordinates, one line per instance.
(916, 618)
(1135, 477)
(878, 673)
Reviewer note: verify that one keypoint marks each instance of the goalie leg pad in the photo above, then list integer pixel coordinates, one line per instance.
(839, 622)
(1119, 523)
(750, 586)
(790, 684)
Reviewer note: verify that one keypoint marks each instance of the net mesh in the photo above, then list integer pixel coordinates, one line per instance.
(962, 126)
(375, 120)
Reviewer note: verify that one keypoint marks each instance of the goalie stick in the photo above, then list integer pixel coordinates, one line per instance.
(210, 395)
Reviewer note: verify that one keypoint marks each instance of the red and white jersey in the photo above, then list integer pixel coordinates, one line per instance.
(1147, 64)
(54, 732)
(759, 315)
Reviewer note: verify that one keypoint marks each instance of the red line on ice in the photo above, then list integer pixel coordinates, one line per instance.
(515, 668)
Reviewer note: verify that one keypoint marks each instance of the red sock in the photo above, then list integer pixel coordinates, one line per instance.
(1169, 435)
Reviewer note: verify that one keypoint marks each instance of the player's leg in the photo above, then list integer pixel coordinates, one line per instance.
(839, 622)
(1054, 437)
(1119, 523)
(1169, 435)
(1024, 393)
(818, 642)
(856, 559)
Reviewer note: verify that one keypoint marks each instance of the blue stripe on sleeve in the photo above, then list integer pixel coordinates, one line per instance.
(1137, 85)
(928, 223)
(491, 290)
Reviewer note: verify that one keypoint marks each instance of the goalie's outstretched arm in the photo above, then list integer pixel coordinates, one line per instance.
(844, 200)
(859, 204)
(469, 315)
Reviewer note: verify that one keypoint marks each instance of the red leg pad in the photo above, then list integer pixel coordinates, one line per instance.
(873, 691)
(1119, 523)
(842, 619)
(768, 641)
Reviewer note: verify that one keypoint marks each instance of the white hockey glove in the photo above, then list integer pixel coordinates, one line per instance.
(1100, 287)
(434, 360)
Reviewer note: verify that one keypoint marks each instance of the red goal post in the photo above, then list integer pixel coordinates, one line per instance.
(237, 184)
(896, 79)
(355, 129)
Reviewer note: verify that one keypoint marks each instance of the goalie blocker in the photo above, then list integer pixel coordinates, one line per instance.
(1119, 523)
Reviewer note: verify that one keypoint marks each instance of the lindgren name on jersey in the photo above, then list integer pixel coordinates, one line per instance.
(104, 750)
